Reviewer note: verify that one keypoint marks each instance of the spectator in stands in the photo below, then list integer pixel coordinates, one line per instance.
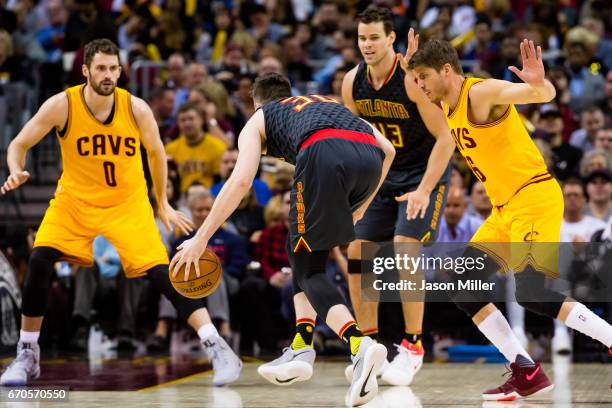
(221, 129)
(577, 225)
(482, 48)
(196, 152)
(176, 71)
(595, 160)
(162, 105)
(603, 140)
(591, 120)
(261, 26)
(457, 226)
(346, 54)
(259, 299)
(51, 37)
(559, 77)
(225, 113)
(586, 85)
(212, 43)
(599, 190)
(565, 157)
(296, 63)
(336, 82)
(195, 75)
(509, 56)
(228, 162)
(242, 99)
(604, 45)
(248, 219)
(481, 204)
(231, 67)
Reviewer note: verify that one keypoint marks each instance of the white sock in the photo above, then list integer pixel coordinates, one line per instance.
(582, 319)
(496, 328)
(207, 331)
(560, 328)
(515, 312)
(28, 337)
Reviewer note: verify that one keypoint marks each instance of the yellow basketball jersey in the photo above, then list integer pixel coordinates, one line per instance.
(102, 164)
(501, 154)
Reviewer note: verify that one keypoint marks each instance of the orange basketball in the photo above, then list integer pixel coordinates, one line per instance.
(210, 277)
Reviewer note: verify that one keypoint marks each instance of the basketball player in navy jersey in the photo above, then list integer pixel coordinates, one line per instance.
(340, 163)
(381, 92)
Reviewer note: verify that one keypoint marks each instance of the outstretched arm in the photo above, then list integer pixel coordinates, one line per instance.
(232, 192)
(534, 89)
(52, 113)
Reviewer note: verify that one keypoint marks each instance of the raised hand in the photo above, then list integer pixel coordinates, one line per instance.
(533, 67)
(413, 46)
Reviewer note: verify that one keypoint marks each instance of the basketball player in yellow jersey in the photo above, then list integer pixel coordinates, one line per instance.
(102, 191)
(528, 204)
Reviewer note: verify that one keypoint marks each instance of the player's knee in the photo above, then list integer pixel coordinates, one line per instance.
(532, 294)
(40, 268)
(38, 280)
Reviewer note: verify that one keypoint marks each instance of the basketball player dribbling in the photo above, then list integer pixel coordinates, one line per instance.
(340, 163)
(102, 191)
(527, 200)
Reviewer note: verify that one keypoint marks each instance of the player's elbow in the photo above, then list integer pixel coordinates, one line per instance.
(243, 183)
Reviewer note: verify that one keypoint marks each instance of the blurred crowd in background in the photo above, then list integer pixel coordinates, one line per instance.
(194, 61)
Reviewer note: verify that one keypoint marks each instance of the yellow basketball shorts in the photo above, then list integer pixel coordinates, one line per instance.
(70, 226)
(526, 230)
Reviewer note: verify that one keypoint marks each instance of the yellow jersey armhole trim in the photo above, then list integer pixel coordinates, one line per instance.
(131, 111)
(68, 120)
(495, 122)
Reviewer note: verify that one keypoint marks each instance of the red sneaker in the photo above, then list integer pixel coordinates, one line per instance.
(523, 382)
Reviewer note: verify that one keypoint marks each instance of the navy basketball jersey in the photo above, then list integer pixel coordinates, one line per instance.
(290, 121)
(391, 111)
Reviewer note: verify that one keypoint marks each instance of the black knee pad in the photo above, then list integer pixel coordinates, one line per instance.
(161, 281)
(532, 293)
(38, 280)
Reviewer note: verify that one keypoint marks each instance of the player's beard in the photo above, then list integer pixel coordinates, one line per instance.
(97, 87)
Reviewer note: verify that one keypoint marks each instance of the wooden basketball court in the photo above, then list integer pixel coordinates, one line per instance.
(186, 382)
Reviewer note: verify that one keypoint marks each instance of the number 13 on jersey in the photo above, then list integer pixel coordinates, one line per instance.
(392, 132)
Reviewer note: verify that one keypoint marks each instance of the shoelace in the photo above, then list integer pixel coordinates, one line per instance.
(21, 357)
(510, 371)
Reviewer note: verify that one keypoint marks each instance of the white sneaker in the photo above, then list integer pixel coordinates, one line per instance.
(348, 371)
(25, 367)
(290, 367)
(561, 342)
(519, 332)
(226, 365)
(366, 363)
(405, 364)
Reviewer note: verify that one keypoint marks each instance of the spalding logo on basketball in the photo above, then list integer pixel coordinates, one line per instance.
(210, 277)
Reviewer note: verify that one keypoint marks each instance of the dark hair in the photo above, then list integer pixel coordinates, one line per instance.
(435, 54)
(375, 14)
(574, 181)
(102, 45)
(271, 86)
(188, 106)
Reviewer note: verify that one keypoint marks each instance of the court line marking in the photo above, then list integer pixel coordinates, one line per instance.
(177, 381)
